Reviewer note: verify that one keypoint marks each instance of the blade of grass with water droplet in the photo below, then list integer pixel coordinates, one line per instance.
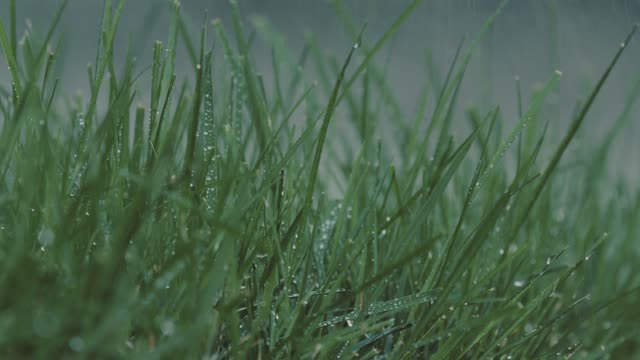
(331, 107)
(190, 152)
(10, 56)
(573, 129)
(257, 106)
(101, 66)
(535, 105)
(391, 306)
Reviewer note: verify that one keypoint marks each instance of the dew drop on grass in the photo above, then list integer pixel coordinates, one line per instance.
(168, 328)
(81, 120)
(513, 248)
(46, 237)
(76, 344)
(519, 283)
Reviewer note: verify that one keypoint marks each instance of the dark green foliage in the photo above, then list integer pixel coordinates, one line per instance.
(207, 224)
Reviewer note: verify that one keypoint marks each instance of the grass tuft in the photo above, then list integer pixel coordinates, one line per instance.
(224, 216)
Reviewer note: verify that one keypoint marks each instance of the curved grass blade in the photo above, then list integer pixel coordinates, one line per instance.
(573, 129)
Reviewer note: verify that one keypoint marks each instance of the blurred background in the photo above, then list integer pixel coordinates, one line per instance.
(530, 40)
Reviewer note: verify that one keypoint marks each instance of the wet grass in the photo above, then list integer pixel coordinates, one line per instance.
(227, 220)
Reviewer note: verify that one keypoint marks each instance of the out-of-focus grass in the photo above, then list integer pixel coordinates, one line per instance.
(198, 225)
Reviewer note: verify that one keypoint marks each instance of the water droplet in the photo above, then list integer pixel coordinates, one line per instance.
(46, 237)
(168, 327)
(76, 344)
(519, 283)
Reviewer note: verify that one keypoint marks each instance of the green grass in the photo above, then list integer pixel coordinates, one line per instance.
(204, 224)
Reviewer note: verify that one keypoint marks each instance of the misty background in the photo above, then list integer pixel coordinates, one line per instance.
(529, 40)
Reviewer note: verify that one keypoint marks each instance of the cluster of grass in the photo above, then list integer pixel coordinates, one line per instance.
(198, 226)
